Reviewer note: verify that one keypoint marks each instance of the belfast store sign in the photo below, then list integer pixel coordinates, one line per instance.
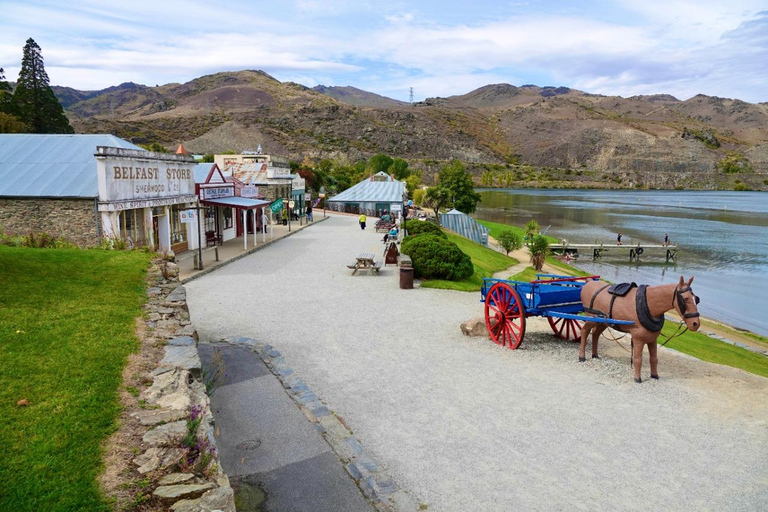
(134, 176)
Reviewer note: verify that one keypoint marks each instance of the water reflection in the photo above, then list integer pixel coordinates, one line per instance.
(723, 238)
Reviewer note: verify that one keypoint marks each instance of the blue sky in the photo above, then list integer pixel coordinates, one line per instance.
(440, 48)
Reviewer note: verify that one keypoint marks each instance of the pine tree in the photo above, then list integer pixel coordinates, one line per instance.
(5, 94)
(9, 123)
(33, 100)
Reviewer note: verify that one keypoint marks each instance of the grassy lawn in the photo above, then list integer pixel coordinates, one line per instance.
(485, 261)
(66, 328)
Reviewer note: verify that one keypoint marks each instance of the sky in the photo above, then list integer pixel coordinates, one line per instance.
(438, 48)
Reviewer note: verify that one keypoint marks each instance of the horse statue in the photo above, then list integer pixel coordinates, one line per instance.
(644, 305)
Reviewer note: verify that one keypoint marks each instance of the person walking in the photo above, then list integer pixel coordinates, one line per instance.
(618, 239)
(309, 212)
(666, 239)
(362, 221)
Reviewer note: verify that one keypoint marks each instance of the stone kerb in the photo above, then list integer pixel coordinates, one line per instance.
(185, 474)
(374, 482)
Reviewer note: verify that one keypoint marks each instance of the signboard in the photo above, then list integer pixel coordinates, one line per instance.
(278, 172)
(396, 207)
(217, 192)
(249, 191)
(307, 197)
(187, 216)
(276, 206)
(130, 175)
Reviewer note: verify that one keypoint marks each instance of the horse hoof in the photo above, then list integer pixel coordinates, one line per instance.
(655, 377)
(595, 357)
(639, 381)
(582, 359)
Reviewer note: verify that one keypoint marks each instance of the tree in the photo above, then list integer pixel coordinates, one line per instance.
(531, 230)
(437, 198)
(154, 146)
(399, 169)
(510, 240)
(6, 94)
(539, 248)
(12, 124)
(208, 159)
(33, 99)
(461, 190)
(380, 163)
(412, 182)
(9, 123)
(418, 196)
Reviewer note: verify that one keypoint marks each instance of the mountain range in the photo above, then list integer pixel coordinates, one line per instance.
(655, 141)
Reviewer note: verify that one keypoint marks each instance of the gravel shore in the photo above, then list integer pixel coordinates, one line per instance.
(464, 425)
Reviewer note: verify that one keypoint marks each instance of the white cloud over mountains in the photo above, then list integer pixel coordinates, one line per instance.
(677, 47)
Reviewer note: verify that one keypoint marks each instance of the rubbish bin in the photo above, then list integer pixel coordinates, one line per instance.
(406, 278)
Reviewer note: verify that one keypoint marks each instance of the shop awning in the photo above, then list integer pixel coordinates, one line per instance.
(241, 203)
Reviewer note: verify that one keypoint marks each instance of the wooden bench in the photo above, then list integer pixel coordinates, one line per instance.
(377, 266)
(385, 226)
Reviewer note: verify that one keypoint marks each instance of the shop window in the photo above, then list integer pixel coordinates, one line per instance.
(132, 227)
(178, 230)
(227, 218)
(210, 219)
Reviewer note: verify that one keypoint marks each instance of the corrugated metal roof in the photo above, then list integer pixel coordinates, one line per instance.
(34, 165)
(201, 172)
(465, 226)
(372, 192)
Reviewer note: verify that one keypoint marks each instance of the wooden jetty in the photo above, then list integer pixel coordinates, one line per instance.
(634, 251)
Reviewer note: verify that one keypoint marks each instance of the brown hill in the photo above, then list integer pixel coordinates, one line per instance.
(656, 141)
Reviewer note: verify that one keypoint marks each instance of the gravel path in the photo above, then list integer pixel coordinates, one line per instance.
(465, 425)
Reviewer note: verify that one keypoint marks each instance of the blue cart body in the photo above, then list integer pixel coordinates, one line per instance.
(551, 295)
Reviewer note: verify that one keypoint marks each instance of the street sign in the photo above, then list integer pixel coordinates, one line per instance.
(307, 197)
(187, 216)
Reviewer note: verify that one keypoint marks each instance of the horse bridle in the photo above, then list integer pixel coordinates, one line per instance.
(681, 302)
(682, 307)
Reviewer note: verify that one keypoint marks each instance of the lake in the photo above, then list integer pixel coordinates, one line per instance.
(723, 239)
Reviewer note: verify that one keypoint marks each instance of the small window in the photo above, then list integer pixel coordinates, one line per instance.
(227, 218)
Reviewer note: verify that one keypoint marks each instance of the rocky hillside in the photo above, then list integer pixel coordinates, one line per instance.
(644, 141)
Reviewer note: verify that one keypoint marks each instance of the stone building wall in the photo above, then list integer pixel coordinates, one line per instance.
(73, 219)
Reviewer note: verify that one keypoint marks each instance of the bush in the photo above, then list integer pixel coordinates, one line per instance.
(420, 227)
(418, 196)
(539, 248)
(436, 257)
(510, 240)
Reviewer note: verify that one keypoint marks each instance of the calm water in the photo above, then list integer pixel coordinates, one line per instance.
(723, 238)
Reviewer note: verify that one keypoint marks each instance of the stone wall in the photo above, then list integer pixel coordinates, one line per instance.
(73, 219)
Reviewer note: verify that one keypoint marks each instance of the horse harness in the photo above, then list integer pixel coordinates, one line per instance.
(653, 324)
(644, 316)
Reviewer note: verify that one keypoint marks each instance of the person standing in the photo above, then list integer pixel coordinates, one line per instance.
(309, 212)
(666, 239)
(362, 221)
(618, 239)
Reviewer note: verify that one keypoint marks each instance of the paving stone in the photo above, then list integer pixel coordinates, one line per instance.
(273, 353)
(355, 446)
(384, 485)
(175, 478)
(354, 471)
(183, 341)
(165, 311)
(179, 294)
(182, 490)
(156, 416)
(366, 464)
(333, 428)
(166, 435)
(182, 357)
(320, 411)
(154, 291)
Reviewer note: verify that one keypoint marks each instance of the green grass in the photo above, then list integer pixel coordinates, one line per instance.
(485, 261)
(66, 328)
(713, 350)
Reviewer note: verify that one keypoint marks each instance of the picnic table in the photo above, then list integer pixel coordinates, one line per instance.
(364, 261)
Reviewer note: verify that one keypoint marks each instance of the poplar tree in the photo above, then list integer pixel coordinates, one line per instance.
(33, 100)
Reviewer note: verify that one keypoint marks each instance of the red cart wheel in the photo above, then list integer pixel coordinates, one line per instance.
(504, 316)
(566, 328)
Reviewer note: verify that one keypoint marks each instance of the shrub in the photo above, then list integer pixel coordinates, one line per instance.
(419, 227)
(734, 163)
(741, 187)
(418, 196)
(510, 240)
(539, 248)
(531, 230)
(436, 257)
